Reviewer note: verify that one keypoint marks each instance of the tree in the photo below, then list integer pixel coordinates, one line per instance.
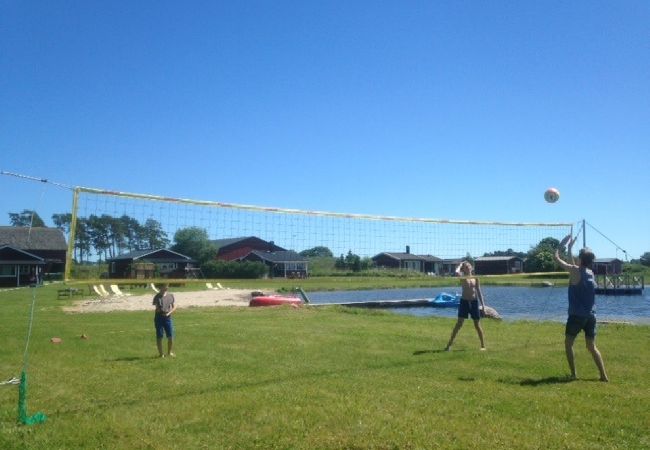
(340, 263)
(317, 252)
(353, 262)
(645, 259)
(82, 241)
(26, 218)
(62, 222)
(98, 229)
(153, 236)
(509, 252)
(132, 233)
(541, 258)
(193, 242)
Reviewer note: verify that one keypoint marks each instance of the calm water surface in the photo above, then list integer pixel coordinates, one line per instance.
(513, 303)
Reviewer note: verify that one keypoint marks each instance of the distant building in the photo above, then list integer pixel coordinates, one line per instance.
(285, 263)
(449, 266)
(608, 266)
(29, 254)
(498, 265)
(408, 261)
(281, 262)
(151, 264)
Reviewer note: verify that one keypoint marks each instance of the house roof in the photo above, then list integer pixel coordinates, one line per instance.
(431, 258)
(606, 260)
(17, 256)
(157, 254)
(279, 257)
(453, 260)
(221, 243)
(402, 256)
(35, 238)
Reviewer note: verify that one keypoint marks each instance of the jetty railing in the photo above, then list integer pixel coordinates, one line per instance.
(623, 284)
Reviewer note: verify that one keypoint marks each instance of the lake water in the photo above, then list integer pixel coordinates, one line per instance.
(512, 303)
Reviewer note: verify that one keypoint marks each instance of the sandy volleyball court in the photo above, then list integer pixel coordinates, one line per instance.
(225, 297)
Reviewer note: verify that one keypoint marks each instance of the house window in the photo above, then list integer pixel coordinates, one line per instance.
(167, 267)
(24, 270)
(412, 265)
(7, 271)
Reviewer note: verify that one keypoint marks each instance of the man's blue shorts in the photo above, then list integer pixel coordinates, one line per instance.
(164, 326)
(468, 308)
(575, 324)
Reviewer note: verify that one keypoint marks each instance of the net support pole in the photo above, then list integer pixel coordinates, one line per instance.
(73, 233)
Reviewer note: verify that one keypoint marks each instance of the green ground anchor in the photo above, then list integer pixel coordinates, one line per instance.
(22, 405)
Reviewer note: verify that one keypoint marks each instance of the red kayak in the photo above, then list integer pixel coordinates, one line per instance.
(275, 300)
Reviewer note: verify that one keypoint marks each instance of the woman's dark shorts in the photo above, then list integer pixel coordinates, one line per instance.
(468, 308)
(575, 324)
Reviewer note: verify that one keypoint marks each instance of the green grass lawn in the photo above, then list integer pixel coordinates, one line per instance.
(314, 378)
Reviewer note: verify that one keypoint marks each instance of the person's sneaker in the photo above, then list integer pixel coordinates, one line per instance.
(172, 355)
(161, 356)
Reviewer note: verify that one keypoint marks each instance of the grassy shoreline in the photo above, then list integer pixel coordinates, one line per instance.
(314, 378)
(332, 283)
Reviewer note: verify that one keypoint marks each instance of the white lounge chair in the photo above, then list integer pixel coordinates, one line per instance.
(103, 290)
(116, 290)
(209, 286)
(99, 292)
(219, 286)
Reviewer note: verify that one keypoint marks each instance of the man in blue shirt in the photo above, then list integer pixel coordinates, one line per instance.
(582, 295)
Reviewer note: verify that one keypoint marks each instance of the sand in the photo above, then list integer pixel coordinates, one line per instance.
(225, 297)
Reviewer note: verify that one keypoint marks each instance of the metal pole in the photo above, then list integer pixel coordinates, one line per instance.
(71, 238)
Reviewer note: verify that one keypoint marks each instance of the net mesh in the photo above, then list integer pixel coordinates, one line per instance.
(298, 230)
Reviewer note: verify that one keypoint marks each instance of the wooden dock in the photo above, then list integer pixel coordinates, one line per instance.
(620, 284)
(409, 303)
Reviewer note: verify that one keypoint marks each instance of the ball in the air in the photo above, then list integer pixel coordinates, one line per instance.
(552, 195)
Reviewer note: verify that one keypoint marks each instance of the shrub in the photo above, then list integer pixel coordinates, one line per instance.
(234, 269)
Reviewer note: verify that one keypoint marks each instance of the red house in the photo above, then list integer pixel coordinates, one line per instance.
(237, 248)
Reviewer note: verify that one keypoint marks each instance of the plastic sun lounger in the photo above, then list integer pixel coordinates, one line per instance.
(116, 290)
(99, 292)
(104, 291)
(209, 286)
(220, 286)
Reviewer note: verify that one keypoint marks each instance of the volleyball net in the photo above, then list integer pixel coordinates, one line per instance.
(106, 223)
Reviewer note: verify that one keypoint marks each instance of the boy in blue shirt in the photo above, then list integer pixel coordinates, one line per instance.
(165, 306)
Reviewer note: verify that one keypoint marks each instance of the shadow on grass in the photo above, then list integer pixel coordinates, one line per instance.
(424, 352)
(441, 350)
(466, 379)
(540, 381)
(131, 358)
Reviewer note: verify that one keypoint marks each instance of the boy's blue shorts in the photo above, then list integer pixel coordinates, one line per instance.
(575, 324)
(164, 326)
(468, 308)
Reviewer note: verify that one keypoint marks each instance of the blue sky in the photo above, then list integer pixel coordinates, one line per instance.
(459, 110)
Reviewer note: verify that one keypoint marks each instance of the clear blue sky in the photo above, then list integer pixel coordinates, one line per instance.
(434, 109)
